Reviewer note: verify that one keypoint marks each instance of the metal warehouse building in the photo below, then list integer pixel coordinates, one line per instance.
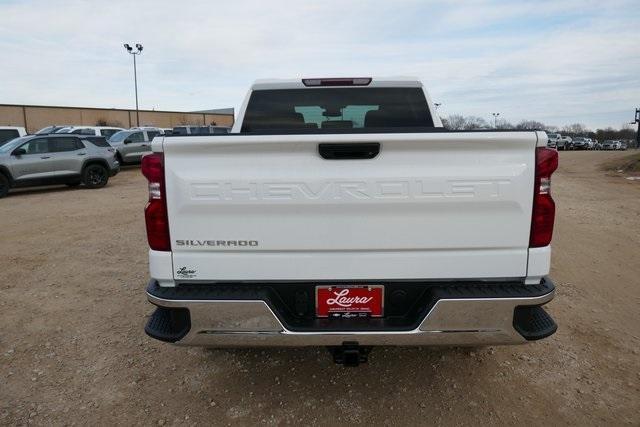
(35, 117)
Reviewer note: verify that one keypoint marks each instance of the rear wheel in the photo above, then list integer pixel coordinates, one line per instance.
(4, 186)
(95, 176)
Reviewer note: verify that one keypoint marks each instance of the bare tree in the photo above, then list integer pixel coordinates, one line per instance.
(474, 122)
(575, 129)
(453, 122)
(460, 122)
(101, 121)
(530, 125)
(626, 132)
(503, 124)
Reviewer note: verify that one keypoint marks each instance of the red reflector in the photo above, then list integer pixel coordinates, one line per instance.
(544, 208)
(155, 213)
(544, 211)
(546, 161)
(351, 81)
(152, 167)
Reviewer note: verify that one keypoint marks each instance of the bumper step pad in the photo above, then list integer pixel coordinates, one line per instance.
(533, 322)
(168, 324)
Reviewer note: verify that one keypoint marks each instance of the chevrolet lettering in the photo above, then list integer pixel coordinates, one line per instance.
(425, 188)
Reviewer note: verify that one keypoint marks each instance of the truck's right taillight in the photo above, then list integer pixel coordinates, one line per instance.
(155, 213)
(544, 208)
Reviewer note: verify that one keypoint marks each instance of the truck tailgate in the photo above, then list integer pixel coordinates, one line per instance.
(441, 205)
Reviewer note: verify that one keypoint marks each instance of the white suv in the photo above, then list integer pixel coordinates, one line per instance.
(553, 139)
(7, 133)
(106, 131)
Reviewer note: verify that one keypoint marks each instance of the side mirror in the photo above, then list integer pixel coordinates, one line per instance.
(19, 152)
(127, 141)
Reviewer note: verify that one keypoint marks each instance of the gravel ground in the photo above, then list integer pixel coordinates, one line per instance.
(73, 351)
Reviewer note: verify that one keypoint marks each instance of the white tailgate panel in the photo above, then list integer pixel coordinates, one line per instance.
(429, 206)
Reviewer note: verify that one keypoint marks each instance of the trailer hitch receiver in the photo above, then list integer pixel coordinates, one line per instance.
(350, 354)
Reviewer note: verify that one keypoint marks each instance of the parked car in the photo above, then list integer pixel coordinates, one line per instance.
(7, 133)
(200, 130)
(152, 128)
(580, 143)
(106, 131)
(565, 143)
(623, 145)
(610, 145)
(306, 228)
(553, 139)
(597, 145)
(132, 144)
(56, 159)
(50, 129)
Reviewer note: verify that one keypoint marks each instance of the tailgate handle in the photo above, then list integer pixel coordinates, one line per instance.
(349, 151)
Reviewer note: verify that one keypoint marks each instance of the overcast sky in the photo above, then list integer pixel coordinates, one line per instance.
(559, 62)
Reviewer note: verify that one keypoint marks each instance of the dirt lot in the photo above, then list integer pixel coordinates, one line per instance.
(72, 348)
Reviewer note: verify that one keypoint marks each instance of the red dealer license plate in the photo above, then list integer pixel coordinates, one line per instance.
(350, 301)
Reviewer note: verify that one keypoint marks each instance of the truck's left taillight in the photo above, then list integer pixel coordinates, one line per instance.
(155, 213)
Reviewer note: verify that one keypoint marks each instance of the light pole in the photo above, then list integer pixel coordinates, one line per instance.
(495, 120)
(637, 121)
(138, 51)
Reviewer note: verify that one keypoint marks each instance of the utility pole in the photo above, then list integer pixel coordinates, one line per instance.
(138, 51)
(637, 121)
(495, 120)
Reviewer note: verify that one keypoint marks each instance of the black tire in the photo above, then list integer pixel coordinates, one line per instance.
(95, 176)
(4, 185)
(119, 159)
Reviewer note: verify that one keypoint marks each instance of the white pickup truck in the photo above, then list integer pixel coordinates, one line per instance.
(339, 212)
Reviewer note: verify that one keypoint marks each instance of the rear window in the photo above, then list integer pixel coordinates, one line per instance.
(84, 131)
(333, 109)
(7, 135)
(98, 141)
(120, 136)
(47, 130)
(107, 133)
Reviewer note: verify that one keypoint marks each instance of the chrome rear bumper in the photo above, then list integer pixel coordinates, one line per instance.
(449, 321)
